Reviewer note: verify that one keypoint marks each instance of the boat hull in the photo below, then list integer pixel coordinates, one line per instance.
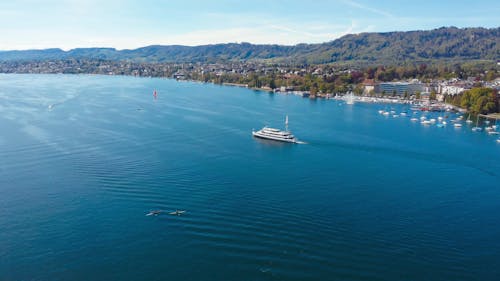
(261, 136)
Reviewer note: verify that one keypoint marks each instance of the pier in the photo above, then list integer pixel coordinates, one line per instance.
(495, 116)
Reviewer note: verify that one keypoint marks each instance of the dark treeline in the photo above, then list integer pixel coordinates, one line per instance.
(328, 78)
(477, 100)
(332, 80)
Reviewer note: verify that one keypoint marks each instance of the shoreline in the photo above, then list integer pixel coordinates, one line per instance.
(303, 94)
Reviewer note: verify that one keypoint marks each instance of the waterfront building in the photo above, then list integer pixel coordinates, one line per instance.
(400, 88)
(451, 89)
(368, 86)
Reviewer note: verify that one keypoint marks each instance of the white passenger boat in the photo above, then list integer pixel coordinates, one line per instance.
(276, 134)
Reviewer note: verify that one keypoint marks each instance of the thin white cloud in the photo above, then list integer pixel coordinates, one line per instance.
(286, 34)
(367, 8)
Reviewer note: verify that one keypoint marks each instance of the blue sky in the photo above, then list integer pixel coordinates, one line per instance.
(125, 24)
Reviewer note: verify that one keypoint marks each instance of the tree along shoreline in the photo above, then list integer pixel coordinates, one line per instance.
(318, 80)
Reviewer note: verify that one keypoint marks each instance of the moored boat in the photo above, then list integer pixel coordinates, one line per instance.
(477, 128)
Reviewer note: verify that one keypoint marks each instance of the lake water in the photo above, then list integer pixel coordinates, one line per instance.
(83, 159)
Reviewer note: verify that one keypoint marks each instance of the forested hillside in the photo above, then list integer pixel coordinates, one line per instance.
(366, 48)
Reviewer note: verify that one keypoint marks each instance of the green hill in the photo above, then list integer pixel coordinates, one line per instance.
(368, 48)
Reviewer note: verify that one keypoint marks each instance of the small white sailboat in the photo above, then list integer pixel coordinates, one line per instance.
(495, 125)
(492, 130)
(468, 121)
(477, 128)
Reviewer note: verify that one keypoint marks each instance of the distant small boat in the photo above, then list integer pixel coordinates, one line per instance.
(493, 133)
(425, 122)
(177, 213)
(414, 119)
(498, 140)
(154, 213)
(457, 125)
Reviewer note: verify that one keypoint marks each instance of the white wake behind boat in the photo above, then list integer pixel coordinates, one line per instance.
(276, 134)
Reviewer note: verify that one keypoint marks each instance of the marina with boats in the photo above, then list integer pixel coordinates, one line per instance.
(441, 116)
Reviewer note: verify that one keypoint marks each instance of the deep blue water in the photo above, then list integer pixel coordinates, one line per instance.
(368, 198)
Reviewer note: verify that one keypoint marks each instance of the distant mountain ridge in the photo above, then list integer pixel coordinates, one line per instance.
(390, 47)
